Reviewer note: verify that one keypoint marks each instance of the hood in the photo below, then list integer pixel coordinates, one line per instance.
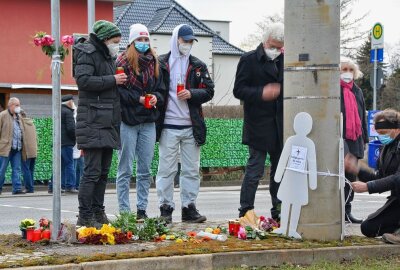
(178, 63)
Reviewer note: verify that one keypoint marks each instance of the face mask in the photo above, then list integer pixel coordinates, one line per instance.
(346, 77)
(272, 53)
(185, 48)
(17, 110)
(113, 48)
(385, 139)
(142, 47)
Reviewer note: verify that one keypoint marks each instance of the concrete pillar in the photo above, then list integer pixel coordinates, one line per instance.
(312, 37)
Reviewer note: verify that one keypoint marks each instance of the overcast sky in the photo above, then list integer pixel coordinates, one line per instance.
(243, 14)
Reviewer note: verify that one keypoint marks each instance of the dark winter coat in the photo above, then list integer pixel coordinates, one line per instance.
(67, 126)
(99, 111)
(201, 87)
(134, 112)
(356, 147)
(386, 177)
(263, 120)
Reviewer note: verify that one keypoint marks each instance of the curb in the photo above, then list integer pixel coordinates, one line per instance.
(232, 259)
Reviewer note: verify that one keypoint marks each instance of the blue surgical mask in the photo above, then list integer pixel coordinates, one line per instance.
(142, 47)
(385, 139)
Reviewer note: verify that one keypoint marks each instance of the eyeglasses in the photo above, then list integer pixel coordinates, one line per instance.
(348, 69)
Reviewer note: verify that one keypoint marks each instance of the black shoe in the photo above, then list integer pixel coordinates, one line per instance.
(88, 222)
(141, 214)
(166, 213)
(49, 191)
(348, 217)
(71, 191)
(192, 215)
(101, 217)
(18, 192)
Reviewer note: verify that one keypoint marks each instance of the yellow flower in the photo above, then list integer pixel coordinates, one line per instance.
(84, 232)
(107, 229)
(209, 230)
(110, 239)
(179, 241)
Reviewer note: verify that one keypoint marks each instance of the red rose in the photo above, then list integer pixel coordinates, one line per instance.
(37, 41)
(47, 40)
(67, 40)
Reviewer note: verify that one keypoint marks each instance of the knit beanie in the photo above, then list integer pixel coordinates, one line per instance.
(136, 31)
(106, 30)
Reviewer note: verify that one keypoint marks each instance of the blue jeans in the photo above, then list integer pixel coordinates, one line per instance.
(137, 142)
(79, 165)
(171, 141)
(67, 168)
(15, 159)
(28, 170)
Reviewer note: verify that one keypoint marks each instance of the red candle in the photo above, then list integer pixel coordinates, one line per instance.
(120, 70)
(180, 87)
(29, 234)
(147, 99)
(37, 235)
(46, 234)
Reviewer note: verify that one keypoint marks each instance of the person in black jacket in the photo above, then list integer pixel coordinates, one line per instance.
(355, 133)
(138, 129)
(181, 125)
(98, 117)
(386, 219)
(259, 85)
(67, 144)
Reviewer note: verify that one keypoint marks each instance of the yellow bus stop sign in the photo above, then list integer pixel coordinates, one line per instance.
(377, 36)
(377, 31)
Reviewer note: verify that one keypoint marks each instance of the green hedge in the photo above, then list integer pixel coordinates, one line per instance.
(223, 147)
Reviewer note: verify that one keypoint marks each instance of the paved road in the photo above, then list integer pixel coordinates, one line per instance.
(217, 203)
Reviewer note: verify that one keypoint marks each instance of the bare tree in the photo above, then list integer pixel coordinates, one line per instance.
(350, 29)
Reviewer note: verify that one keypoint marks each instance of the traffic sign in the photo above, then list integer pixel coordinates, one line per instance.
(372, 55)
(377, 36)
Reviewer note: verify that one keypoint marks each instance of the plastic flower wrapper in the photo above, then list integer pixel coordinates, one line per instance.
(242, 234)
(267, 224)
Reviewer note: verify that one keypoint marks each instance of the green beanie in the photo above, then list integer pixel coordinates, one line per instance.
(106, 30)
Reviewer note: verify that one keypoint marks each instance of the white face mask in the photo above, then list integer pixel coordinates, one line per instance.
(346, 77)
(185, 48)
(272, 53)
(17, 110)
(113, 48)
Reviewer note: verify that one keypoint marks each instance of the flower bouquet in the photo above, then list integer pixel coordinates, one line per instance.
(41, 39)
(106, 235)
(26, 225)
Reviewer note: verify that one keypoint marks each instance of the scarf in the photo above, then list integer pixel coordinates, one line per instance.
(145, 79)
(353, 122)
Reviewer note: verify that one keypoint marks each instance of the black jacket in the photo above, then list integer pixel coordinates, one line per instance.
(201, 88)
(386, 177)
(356, 147)
(99, 112)
(263, 120)
(67, 126)
(134, 112)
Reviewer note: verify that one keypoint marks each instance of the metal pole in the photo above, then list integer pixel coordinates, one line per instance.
(375, 77)
(312, 39)
(56, 108)
(91, 14)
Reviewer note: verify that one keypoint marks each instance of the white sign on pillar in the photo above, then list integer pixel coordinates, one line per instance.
(297, 170)
(377, 36)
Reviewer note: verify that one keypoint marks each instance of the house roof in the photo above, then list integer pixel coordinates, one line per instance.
(162, 16)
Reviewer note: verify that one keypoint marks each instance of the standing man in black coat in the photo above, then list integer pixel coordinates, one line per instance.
(98, 118)
(67, 144)
(259, 85)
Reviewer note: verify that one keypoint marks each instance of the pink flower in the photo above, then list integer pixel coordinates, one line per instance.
(47, 40)
(262, 218)
(67, 40)
(242, 233)
(37, 41)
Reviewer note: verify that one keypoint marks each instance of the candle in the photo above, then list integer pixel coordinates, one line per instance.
(29, 234)
(120, 70)
(37, 235)
(147, 104)
(46, 234)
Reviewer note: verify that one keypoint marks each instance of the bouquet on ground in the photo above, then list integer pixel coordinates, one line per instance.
(27, 223)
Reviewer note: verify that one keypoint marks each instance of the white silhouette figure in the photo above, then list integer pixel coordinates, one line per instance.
(297, 169)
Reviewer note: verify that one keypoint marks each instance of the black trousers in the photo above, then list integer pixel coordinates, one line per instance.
(386, 222)
(348, 193)
(254, 172)
(94, 181)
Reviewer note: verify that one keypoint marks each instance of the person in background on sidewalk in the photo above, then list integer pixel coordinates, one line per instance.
(181, 125)
(11, 138)
(386, 220)
(29, 152)
(99, 117)
(79, 164)
(259, 84)
(67, 144)
(138, 129)
(355, 133)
